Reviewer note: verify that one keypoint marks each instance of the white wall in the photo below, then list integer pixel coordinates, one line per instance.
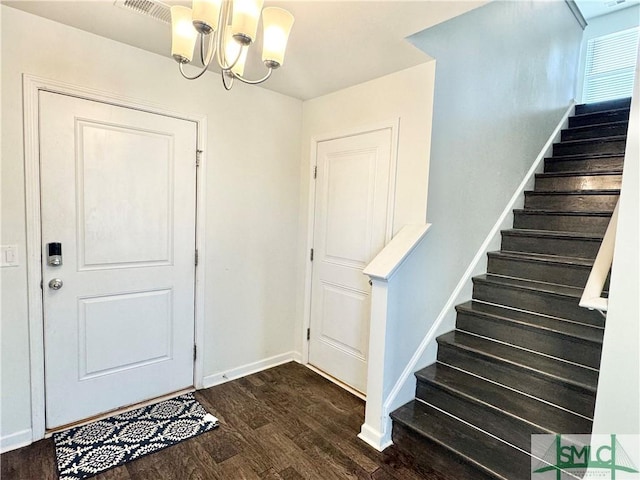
(505, 75)
(251, 194)
(407, 95)
(618, 399)
(605, 25)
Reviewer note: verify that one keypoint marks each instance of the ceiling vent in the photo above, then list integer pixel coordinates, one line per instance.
(149, 8)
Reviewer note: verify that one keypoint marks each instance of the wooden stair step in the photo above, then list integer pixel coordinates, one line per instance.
(603, 200)
(567, 244)
(557, 269)
(577, 181)
(599, 130)
(510, 415)
(532, 296)
(525, 362)
(562, 221)
(480, 450)
(559, 338)
(613, 144)
(584, 163)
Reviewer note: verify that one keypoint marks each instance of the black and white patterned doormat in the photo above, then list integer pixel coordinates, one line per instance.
(82, 452)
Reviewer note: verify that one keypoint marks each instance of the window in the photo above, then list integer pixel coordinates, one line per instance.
(610, 66)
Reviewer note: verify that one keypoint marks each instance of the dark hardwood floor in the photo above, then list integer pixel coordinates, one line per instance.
(286, 423)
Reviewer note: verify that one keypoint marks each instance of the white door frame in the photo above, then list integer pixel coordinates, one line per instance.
(394, 125)
(32, 86)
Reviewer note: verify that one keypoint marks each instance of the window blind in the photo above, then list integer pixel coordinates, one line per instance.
(610, 66)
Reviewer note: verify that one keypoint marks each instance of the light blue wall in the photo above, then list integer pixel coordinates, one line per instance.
(605, 25)
(505, 74)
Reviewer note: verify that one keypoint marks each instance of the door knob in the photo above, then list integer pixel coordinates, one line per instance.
(55, 284)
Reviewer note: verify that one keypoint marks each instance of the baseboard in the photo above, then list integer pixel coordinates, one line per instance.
(248, 369)
(297, 357)
(492, 238)
(16, 440)
(377, 440)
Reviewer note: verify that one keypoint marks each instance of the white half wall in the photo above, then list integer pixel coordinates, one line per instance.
(505, 76)
(252, 194)
(406, 95)
(618, 398)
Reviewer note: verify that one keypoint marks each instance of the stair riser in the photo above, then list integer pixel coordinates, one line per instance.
(537, 301)
(521, 379)
(599, 118)
(589, 147)
(549, 343)
(561, 223)
(601, 164)
(429, 455)
(602, 106)
(575, 203)
(563, 274)
(579, 182)
(596, 131)
(580, 248)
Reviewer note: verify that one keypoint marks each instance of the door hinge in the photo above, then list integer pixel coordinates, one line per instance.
(311, 255)
(195, 352)
(308, 334)
(196, 259)
(198, 157)
(315, 172)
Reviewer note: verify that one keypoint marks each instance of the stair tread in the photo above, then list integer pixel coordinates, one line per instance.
(597, 125)
(562, 290)
(578, 173)
(552, 234)
(542, 257)
(600, 112)
(610, 138)
(454, 435)
(577, 330)
(610, 191)
(564, 372)
(582, 213)
(492, 396)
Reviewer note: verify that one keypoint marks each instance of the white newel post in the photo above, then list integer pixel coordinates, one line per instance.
(376, 430)
(382, 270)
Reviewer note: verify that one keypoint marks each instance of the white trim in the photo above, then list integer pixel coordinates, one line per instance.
(375, 439)
(32, 85)
(394, 125)
(393, 255)
(248, 369)
(15, 440)
(480, 254)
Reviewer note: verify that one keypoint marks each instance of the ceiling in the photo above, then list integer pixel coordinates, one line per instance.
(597, 8)
(333, 44)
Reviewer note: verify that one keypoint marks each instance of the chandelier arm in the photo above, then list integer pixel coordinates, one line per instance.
(254, 82)
(221, 52)
(231, 76)
(198, 75)
(207, 55)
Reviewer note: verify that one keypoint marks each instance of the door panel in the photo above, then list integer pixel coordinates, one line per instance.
(118, 192)
(350, 229)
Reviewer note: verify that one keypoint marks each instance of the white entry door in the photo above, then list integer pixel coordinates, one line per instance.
(351, 216)
(118, 193)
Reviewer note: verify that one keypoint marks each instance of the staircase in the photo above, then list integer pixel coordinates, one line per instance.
(524, 357)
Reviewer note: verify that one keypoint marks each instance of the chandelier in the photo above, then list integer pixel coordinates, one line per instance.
(226, 29)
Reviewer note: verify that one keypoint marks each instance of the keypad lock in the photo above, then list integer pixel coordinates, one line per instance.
(54, 254)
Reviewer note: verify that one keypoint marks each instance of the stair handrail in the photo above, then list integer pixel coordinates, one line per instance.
(592, 295)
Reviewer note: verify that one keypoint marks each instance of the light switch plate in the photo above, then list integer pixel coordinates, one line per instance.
(9, 256)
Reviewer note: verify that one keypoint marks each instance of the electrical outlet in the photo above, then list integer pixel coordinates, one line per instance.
(9, 256)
